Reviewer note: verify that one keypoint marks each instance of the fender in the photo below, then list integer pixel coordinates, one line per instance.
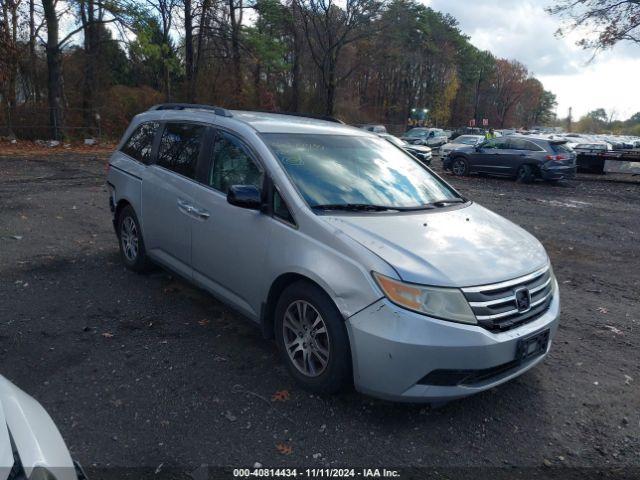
(36, 438)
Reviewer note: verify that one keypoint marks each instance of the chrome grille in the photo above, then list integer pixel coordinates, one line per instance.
(495, 305)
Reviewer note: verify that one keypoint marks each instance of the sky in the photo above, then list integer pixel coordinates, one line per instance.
(522, 30)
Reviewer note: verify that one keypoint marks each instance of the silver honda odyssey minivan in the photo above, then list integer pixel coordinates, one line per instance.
(363, 265)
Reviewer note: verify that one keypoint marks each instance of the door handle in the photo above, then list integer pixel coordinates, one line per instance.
(200, 213)
(185, 206)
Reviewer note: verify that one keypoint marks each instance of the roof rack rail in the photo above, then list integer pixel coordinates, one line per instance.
(326, 118)
(223, 112)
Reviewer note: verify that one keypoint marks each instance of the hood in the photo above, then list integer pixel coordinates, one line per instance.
(456, 247)
(461, 147)
(38, 442)
(418, 148)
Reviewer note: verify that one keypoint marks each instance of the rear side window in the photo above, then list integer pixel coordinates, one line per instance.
(180, 147)
(140, 142)
(521, 144)
(560, 148)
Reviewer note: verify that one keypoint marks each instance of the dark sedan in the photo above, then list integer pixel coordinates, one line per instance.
(524, 158)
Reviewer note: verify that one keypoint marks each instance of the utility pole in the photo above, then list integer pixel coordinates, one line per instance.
(569, 120)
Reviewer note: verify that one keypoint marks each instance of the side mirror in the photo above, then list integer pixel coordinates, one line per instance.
(245, 196)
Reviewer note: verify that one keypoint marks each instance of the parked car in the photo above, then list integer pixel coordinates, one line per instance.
(461, 141)
(30, 444)
(431, 137)
(524, 158)
(365, 266)
(421, 152)
(573, 139)
(374, 128)
(592, 147)
(467, 131)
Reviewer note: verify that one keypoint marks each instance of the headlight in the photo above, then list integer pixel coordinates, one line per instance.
(444, 303)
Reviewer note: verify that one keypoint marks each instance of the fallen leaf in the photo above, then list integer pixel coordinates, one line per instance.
(204, 322)
(284, 449)
(614, 329)
(280, 396)
(107, 335)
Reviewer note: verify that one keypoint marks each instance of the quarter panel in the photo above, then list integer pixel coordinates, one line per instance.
(125, 174)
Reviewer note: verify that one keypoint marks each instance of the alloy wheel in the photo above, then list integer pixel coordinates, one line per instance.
(459, 167)
(306, 338)
(129, 239)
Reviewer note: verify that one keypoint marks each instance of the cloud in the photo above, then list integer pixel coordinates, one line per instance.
(522, 30)
(514, 29)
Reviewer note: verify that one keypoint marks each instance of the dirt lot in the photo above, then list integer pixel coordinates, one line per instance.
(148, 371)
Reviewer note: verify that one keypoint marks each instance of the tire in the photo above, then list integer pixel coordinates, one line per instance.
(130, 240)
(525, 174)
(307, 340)
(460, 167)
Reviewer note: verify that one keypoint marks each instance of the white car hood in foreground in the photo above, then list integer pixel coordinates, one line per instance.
(37, 440)
(447, 247)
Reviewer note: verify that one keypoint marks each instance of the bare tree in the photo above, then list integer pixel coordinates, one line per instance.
(509, 83)
(607, 21)
(328, 29)
(188, 50)
(9, 57)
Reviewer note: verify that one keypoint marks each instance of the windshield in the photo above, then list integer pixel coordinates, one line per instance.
(353, 170)
(395, 140)
(416, 132)
(467, 140)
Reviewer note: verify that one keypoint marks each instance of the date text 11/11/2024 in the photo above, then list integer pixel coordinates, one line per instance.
(316, 472)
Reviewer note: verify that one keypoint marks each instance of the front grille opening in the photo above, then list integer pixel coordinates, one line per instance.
(495, 307)
(454, 378)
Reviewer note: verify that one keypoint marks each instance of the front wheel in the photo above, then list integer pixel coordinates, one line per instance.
(460, 167)
(312, 338)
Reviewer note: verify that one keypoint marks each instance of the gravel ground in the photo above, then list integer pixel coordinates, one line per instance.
(147, 371)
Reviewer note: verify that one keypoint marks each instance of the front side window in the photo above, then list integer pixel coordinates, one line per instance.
(346, 170)
(180, 147)
(140, 142)
(498, 143)
(232, 165)
(280, 209)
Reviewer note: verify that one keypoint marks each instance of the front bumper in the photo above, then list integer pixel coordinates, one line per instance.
(424, 157)
(393, 350)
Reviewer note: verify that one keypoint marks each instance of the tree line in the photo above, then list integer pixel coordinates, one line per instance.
(82, 66)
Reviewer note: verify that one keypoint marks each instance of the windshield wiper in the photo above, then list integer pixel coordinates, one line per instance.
(443, 202)
(368, 207)
(353, 207)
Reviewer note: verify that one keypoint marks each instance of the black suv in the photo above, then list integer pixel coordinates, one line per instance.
(524, 158)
